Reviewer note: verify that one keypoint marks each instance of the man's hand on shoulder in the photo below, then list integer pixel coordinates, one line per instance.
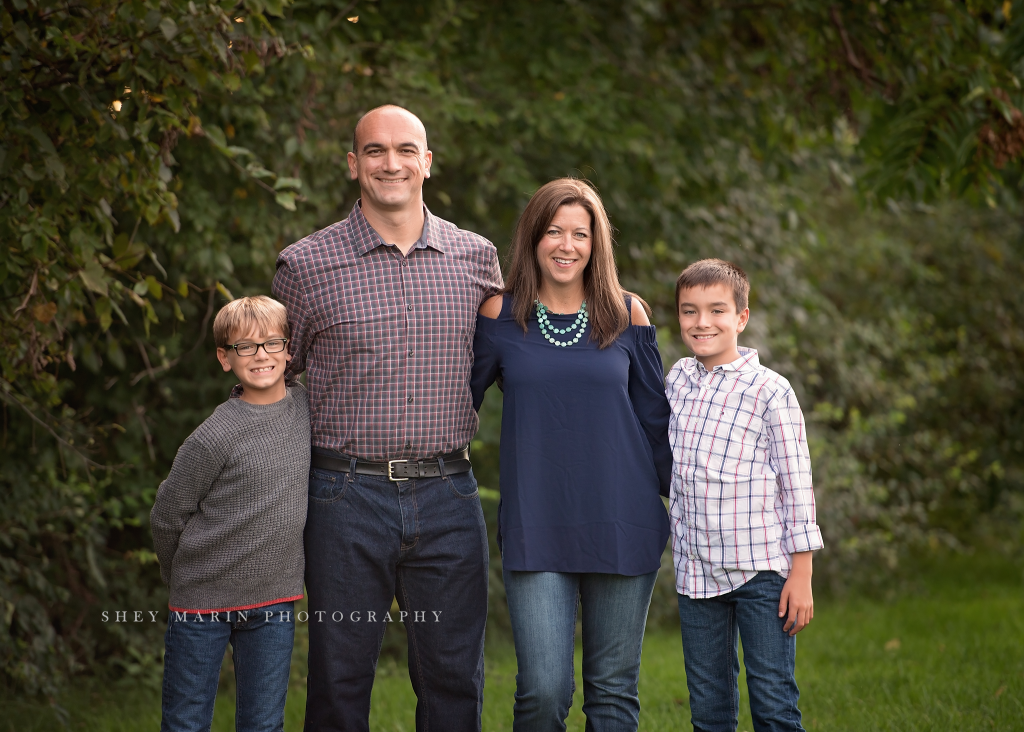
(796, 598)
(491, 307)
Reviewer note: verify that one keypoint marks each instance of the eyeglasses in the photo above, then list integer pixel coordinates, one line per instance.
(275, 345)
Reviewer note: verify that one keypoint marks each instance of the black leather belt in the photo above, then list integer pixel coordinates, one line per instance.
(454, 462)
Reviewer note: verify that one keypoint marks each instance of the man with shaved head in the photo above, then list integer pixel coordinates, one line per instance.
(382, 308)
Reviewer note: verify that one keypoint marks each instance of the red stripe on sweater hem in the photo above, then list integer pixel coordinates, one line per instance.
(232, 609)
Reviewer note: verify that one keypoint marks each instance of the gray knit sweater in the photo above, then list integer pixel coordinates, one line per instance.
(227, 522)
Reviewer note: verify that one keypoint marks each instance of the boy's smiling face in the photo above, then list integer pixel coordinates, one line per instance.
(262, 374)
(710, 324)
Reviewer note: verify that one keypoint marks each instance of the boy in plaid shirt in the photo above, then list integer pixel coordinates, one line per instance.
(742, 510)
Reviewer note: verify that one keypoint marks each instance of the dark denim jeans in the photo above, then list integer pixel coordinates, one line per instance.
(712, 629)
(261, 647)
(368, 541)
(542, 607)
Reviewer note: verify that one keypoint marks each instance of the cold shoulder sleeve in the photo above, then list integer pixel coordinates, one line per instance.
(485, 359)
(647, 393)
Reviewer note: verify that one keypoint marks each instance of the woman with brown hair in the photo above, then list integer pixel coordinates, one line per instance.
(584, 456)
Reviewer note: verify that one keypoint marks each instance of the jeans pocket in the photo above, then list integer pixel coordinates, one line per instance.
(326, 486)
(463, 485)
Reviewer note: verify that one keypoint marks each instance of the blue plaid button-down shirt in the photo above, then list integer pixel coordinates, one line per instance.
(741, 496)
(386, 340)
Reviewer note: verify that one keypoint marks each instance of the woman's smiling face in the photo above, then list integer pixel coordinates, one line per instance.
(564, 249)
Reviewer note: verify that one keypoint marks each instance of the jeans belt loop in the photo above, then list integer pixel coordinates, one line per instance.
(440, 466)
(352, 470)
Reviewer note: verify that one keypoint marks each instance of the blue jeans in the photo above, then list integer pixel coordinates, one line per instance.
(711, 630)
(368, 541)
(261, 646)
(542, 607)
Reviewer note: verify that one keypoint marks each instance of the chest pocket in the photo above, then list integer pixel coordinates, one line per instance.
(738, 434)
(360, 308)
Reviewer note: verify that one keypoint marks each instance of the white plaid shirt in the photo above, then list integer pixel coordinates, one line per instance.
(742, 499)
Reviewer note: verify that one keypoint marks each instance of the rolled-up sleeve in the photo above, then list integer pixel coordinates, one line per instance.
(287, 288)
(647, 394)
(493, 282)
(791, 460)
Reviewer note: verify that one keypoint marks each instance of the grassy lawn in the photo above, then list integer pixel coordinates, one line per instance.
(949, 655)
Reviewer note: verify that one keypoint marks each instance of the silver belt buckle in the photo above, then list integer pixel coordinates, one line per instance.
(391, 474)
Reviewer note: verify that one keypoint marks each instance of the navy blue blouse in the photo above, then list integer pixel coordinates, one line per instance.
(584, 446)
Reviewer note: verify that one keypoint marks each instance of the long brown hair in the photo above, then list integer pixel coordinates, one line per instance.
(606, 307)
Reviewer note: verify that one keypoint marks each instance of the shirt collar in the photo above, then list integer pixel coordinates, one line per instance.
(747, 361)
(367, 239)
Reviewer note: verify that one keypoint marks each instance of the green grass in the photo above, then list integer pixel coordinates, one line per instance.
(949, 655)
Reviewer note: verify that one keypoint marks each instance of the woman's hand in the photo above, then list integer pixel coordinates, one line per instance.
(796, 598)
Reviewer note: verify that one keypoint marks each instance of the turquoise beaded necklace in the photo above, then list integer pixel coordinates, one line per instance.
(547, 329)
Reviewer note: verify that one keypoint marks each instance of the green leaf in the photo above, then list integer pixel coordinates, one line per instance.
(169, 28)
(103, 312)
(216, 135)
(224, 291)
(120, 245)
(287, 183)
(45, 143)
(94, 277)
(258, 171)
(154, 287)
(119, 311)
(286, 200)
(231, 81)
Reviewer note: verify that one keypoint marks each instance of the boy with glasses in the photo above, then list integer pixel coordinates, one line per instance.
(227, 528)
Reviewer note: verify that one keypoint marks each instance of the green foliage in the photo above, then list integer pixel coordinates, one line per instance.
(95, 98)
(155, 156)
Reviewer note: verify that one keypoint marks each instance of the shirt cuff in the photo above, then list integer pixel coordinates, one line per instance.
(801, 538)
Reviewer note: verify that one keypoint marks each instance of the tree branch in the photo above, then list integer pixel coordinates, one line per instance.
(32, 289)
(152, 372)
(11, 400)
(851, 56)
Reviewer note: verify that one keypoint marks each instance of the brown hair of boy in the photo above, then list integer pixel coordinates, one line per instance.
(710, 272)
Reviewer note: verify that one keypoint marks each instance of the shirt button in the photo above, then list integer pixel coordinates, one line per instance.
(410, 308)
(409, 399)
(410, 353)
(690, 524)
(405, 263)
(408, 446)
(692, 555)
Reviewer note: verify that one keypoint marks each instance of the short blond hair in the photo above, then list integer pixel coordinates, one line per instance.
(264, 313)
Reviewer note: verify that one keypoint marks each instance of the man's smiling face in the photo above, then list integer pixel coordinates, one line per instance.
(710, 324)
(392, 159)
